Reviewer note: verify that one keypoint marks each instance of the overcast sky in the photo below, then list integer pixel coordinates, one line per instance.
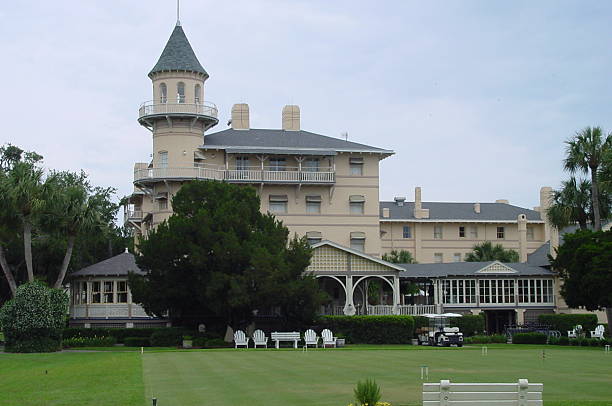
(475, 97)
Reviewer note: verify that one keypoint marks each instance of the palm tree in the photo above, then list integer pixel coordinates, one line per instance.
(571, 204)
(399, 257)
(488, 252)
(8, 222)
(585, 152)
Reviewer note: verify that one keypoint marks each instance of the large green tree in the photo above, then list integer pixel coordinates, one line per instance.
(488, 252)
(585, 153)
(219, 256)
(584, 261)
(571, 204)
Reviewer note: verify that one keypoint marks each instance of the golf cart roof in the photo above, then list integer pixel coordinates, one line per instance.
(442, 315)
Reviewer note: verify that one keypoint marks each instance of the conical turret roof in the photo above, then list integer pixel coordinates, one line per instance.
(178, 55)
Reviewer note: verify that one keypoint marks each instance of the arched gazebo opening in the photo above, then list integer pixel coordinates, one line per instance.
(335, 287)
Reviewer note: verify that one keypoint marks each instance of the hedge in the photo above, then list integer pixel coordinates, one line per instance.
(498, 338)
(529, 338)
(566, 322)
(119, 333)
(89, 342)
(371, 329)
(469, 324)
(137, 342)
(166, 338)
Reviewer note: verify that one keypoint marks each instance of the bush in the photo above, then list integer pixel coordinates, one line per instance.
(372, 329)
(529, 338)
(137, 342)
(469, 324)
(367, 393)
(33, 320)
(217, 343)
(119, 333)
(199, 342)
(498, 338)
(89, 342)
(563, 340)
(166, 338)
(566, 322)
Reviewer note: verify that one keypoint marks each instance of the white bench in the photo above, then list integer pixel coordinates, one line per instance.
(446, 393)
(286, 336)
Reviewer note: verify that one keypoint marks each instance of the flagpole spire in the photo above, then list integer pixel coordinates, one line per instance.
(178, 12)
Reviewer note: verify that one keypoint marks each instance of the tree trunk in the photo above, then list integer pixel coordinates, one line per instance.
(595, 199)
(27, 246)
(65, 263)
(7, 272)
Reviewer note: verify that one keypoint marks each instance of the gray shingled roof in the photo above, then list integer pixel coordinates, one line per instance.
(178, 55)
(281, 141)
(539, 257)
(468, 269)
(119, 265)
(459, 211)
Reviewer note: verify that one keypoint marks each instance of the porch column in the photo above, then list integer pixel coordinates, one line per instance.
(349, 307)
(436, 296)
(520, 316)
(396, 295)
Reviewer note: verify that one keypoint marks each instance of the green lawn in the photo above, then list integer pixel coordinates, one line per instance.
(571, 376)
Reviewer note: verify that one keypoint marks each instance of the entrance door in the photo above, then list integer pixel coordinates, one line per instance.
(497, 320)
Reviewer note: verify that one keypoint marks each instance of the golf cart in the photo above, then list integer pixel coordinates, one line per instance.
(438, 333)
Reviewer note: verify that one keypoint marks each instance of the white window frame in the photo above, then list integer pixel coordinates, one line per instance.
(163, 93)
(163, 159)
(406, 232)
(438, 232)
(500, 231)
(474, 232)
(180, 92)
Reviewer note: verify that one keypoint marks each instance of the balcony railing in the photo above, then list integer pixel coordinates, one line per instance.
(266, 175)
(151, 108)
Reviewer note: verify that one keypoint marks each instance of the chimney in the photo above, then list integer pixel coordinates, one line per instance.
(419, 212)
(385, 212)
(477, 208)
(291, 118)
(550, 232)
(399, 200)
(504, 201)
(522, 231)
(240, 116)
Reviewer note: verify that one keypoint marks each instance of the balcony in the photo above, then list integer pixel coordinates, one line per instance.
(150, 110)
(285, 175)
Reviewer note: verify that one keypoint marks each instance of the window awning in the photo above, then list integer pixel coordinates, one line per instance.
(356, 198)
(314, 235)
(356, 161)
(278, 198)
(358, 235)
(161, 196)
(313, 198)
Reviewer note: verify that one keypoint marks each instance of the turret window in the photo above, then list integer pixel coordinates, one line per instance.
(163, 93)
(163, 159)
(180, 92)
(198, 94)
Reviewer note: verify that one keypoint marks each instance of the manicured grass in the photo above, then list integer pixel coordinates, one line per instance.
(571, 376)
(71, 379)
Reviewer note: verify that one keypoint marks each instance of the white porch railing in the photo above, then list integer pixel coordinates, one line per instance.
(408, 310)
(150, 108)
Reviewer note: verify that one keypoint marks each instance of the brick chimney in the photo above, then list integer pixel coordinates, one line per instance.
(522, 231)
(419, 211)
(240, 116)
(385, 212)
(291, 118)
(477, 208)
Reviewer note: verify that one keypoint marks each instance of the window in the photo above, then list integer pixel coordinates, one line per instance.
(407, 232)
(95, 293)
(497, 291)
(313, 204)
(197, 92)
(356, 166)
(109, 291)
(473, 232)
(163, 93)
(459, 291)
(530, 234)
(163, 204)
(163, 159)
(461, 231)
(457, 257)
(83, 293)
(438, 232)
(278, 204)
(356, 203)
(358, 241)
(122, 292)
(500, 233)
(438, 258)
(242, 163)
(311, 165)
(535, 291)
(277, 164)
(180, 92)
(313, 237)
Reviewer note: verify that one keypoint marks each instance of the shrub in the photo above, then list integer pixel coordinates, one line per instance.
(199, 342)
(217, 343)
(563, 340)
(33, 320)
(529, 338)
(137, 342)
(367, 393)
(372, 329)
(166, 338)
(89, 342)
(119, 333)
(566, 322)
(469, 324)
(498, 338)
(554, 340)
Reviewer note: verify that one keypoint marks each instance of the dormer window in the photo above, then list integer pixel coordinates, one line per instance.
(180, 92)
(197, 94)
(163, 93)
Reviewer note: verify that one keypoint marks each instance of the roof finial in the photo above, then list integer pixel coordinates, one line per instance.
(178, 12)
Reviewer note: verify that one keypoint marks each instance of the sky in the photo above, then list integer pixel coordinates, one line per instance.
(475, 97)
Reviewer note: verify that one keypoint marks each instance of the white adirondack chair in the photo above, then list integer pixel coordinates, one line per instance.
(259, 338)
(598, 332)
(328, 338)
(240, 339)
(311, 338)
(574, 333)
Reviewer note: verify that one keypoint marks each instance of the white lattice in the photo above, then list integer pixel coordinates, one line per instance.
(364, 264)
(497, 267)
(328, 258)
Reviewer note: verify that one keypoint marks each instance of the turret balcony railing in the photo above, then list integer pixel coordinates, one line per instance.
(250, 175)
(153, 108)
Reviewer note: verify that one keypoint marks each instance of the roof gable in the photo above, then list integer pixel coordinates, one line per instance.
(496, 268)
(328, 256)
(178, 55)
